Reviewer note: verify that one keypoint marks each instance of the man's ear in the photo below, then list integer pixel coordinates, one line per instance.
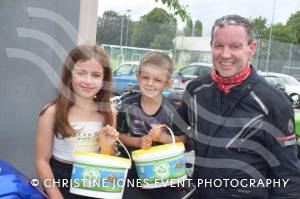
(169, 83)
(252, 48)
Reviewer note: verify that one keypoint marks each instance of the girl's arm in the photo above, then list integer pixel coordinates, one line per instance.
(108, 137)
(43, 147)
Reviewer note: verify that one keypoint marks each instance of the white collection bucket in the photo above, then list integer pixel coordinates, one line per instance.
(162, 165)
(99, 176)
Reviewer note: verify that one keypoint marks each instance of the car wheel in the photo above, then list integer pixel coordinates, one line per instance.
(295, 99)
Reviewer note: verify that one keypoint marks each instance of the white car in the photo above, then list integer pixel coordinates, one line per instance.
(285, 82)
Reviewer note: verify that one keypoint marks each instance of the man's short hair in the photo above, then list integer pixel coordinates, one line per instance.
(233, 20)
(158, 59)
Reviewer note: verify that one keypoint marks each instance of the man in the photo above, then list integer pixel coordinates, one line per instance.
(242, 128)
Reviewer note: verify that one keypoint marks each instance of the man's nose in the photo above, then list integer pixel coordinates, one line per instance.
(226, 53)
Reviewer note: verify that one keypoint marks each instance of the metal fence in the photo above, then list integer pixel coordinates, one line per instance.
(144, 37)
(121, 54)
(283, 58)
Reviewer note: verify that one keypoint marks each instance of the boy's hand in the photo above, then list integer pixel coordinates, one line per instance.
(156, 132)
(144, 142)
(108, 136)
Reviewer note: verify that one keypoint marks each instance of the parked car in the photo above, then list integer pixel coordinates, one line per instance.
(285, 82)
(297, 77)
(124, 77)
(194, 70)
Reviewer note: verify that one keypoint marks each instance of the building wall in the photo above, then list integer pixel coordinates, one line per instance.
(35, 38)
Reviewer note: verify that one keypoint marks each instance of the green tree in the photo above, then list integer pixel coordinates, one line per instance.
(156, 22)
(109, 28)
(294, 24)
(161, 41)
(188, 30)
(260, 28)
(178, 8)
(198, 28)
(283, 33)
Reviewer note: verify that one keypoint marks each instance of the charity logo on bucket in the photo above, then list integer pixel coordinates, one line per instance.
(161, 170)
(90, 174)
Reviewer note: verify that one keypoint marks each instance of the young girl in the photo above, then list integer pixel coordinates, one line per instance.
(80, 118)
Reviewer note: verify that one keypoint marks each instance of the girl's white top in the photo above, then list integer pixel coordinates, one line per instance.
(86, 139)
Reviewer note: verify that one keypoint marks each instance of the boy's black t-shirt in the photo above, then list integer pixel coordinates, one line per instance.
(133, 120)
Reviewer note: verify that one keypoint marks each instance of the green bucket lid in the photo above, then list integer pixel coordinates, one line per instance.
(297, 122)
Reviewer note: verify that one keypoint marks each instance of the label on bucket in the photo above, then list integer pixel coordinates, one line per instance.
(164, 169)
(98, 178)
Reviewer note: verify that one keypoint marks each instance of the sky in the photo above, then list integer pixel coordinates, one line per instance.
(207, 11)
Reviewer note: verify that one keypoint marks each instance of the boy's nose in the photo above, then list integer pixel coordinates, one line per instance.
(150, 81)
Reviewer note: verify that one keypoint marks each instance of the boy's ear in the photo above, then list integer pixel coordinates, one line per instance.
(169, 83)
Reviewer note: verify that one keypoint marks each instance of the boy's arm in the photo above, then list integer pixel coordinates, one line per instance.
(137, 142)
(160, 136)
(166, 138)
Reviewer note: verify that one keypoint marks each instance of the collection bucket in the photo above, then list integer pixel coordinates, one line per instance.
(162, 165)
(98, 175)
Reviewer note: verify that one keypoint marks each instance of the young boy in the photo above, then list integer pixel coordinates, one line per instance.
(140, 117)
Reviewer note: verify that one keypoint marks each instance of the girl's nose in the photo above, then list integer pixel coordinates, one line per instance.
(88, 79)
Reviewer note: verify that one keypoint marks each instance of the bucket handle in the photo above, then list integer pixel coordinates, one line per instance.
(121, 143)
(171, 132)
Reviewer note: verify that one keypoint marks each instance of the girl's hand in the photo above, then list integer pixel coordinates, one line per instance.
(108, 136)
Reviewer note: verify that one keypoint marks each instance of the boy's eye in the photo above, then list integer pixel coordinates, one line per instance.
(157, 80)
(145, 77)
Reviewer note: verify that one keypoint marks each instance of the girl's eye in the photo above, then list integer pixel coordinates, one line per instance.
(80, 73)
(96, 75)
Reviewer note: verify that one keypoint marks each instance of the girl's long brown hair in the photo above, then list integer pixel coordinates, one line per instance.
(65, 98)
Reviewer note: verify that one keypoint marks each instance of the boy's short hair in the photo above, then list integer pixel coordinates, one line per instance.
(158, 59)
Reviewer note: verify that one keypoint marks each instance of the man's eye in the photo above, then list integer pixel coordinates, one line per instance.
(218, 46)
(236, 46)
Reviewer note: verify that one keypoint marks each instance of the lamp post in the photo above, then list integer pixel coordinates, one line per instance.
(128, 16)
(270, 38)
(258, 36)
(121, 37)
(121, 42)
